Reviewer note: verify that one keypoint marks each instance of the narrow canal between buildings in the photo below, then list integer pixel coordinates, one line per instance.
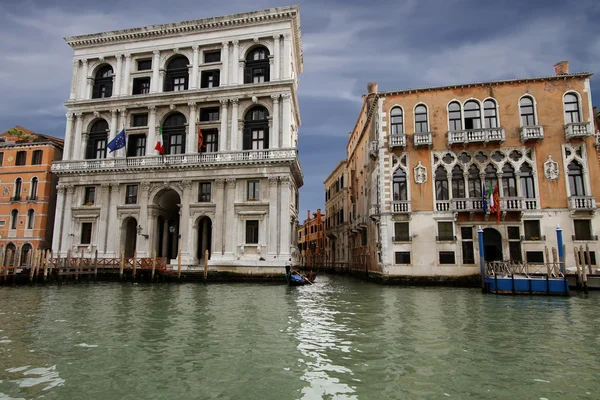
(338, 339)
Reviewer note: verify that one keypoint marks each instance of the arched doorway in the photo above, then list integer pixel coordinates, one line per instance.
(9, 255)
(204, 237)
(167, 203)
(129, 236)
(25, 254)
(492, 243)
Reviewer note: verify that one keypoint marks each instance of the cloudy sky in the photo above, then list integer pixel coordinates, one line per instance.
(347, 43)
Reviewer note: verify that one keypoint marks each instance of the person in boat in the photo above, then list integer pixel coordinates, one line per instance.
(288, 266)
(310, 276)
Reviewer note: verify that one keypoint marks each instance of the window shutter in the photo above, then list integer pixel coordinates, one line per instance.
(203, 80)
(168, 83)
(267, 72)
(186, 81)
(96, 91)
(247, 139)
(266, 138)
(109, 86)
(248, 75)
(216, 79)
(89, 150)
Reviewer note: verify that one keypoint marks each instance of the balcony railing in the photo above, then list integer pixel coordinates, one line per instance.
(532, 132)
(32, 198)
(582, 203)
(577, 130)
(15, 198)
(467, 205)
(374, 210)
(476, 204)
(517, 204)
(397, 141)
(401, 207)
(442, 205)
(422, 139)
(176, 161)
(487, 135)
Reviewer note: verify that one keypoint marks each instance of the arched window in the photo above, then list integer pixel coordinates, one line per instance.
(18, 184)
(509, 181)
(256, 129)
(458, 183)
(98, 137)
(396, 121)
(490, 114)
(527, 111)
(575, 172)
(474, 182)
(400, 187)
(30, 218)
(572, 114)
(257, 65)
(9, 255)
(527, 187)
(454, 116)
(14, 217)
(103, 82)
(441, 184)
(472, 115)
(25, 254)
(491, 177)
(34, 188)
(173, 134)
(176, 79)
(421, 119)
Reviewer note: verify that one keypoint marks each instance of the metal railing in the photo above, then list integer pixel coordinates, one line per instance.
(476, 136)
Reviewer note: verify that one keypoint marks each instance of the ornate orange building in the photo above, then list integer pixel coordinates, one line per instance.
(28, 193)
(311, 240)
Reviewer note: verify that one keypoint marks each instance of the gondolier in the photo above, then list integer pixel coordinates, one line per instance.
(288, 266)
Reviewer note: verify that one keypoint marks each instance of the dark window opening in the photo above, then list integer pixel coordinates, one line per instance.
(401, 233)
(89, 196)
(141, 85)
(532, 230)
(256, 129)
(468, 253)
(490, 115)
(447, 257)
(458, 183)
(103, 83)
(97, 140)
(474, 182)
(583, 229)
(204, 192)
(252, 231)
(136, 146)
(210, 79)
(212, 56)
(30, 219)
(441, 184)
(472, 115)
(509, 181)
(14, 217)
(400, 185)
(174, 134)
(575, 172)
(527, 185)
(253, 190)
(534, 257)
(585, 261)
(445, 231)
(211, 141)
(402, 257)
(131, 194)
(514, 232)
(139, 120)
(86, 233)
(21, 158)
(177, 75)
(257, 66)
(209, 114)
(144, 65)
(36, 158)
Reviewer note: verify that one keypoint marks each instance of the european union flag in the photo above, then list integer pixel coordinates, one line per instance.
(118, 142)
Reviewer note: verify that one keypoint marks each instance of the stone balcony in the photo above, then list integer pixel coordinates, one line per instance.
(582, 203)
(401, 207)
(246, 157)
(470, 205)
(532, 132)
(422, 139)
(476, 136)
(395, 141)
(577, 130)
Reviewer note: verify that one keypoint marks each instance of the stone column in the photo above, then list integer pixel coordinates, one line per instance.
(83, 81)
(204, 239)
(219, 223)
(284, 225)
(241, 65)
(142, 244)
(185, 222)
(225, 59)
(84, 140)
(78, 130)
(165, 240)
(230, 225)
(125, 88)
(112, 246)
(235, 62)
(286, 125)
(191, 146)
(103, 222)
(58, 220)
(274, 136)
(161, 81)
(271, 67)
(154, 88)
(67, 223)
(273, 218)
(194, 82)
(287, 56)
(117, 76)
(276, 58)
(67, 152)
(113, 129)
(122, 125)
(151, 138)
(233, 137)
(223, 133)
(73, 93)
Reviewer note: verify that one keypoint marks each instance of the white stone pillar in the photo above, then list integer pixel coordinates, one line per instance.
(161, 81)
(287, 56)
(103, 222)
(74, 74)
(165, 240)
(185, 222)
(84, 140)
(154, 88)
(284, 225)
(191, 146)
(113, 129)
(77, 143)
(225, 60)
(219, 227)
(117, 76)
(83, 81)
(151, 139)
(286, 127)
(121, 125)
(274, 136)
(276, 58)
(271, 67)
(233, 137)
(235, 62)
(58, 220)
(273, 218)
(112, 245)
(230, 225)
(223, 133)
(142, 243)
(67, 228)
(194, 82)
(67, 152)
(125, 88)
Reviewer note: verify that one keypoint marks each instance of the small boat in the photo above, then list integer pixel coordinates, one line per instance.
(296, 279)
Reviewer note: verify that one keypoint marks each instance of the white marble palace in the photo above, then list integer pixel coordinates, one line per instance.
(218, 98)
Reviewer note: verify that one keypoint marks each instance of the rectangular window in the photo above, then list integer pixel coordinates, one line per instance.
(363, 237)
(210, 79)
(86, 233)
(21, 158)
(204, 192)
(447, 257)
(253, 190)
(136, 146)
(176, 144)
(209, 114)
(141, 85)
(401, 232)
(535, 257)
(138, 120)
(583, 229)
(252, 231)
(514, 248)
(131, 196)
(257, 138)
(584, 260)
(514, 233)
(144, 65)
(212, 56)
(445, 231)
(90, 195)
(1, 159)
(467, 252)
(36, 158)
(179, 84)
(402, 257)
(211, 141)
(532, 230)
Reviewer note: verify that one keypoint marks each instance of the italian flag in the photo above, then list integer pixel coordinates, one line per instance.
(160, 144)
(491, 201)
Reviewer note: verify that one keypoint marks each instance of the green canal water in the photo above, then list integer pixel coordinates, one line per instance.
(338, 339)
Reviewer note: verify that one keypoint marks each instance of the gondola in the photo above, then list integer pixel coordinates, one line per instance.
(296, 279)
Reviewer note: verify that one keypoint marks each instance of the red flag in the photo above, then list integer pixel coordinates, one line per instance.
(200, 139)
(497, 203)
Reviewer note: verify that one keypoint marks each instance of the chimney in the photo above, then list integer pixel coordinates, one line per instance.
(372, 88)
(308, 214)
(561, 68)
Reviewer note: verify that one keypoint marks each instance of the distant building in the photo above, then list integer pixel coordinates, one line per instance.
(336, 223)
(427, 167)
(312, 240)
(28, 197)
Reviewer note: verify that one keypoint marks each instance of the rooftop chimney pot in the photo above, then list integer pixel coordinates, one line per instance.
(561, 68)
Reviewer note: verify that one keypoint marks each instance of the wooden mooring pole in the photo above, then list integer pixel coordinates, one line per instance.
(31, 265)
(153, 266)
(134, 266)
(122, 265)
(583, 260)
(205, 264)
(179, 265)
(578, 279)
(589, 259)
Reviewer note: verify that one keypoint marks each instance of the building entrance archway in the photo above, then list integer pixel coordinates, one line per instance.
(492, 243)
(167, 203)
(204, 237)
(129, 236)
